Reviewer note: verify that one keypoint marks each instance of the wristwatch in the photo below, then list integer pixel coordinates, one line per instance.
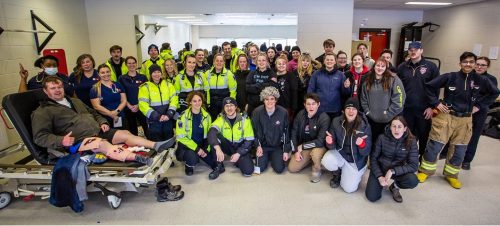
(118, 110)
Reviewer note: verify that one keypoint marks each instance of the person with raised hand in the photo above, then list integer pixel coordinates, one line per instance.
(349, 143)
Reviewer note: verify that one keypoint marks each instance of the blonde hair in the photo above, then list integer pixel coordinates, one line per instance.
(301, 71)
(283, 58)
(176, 71)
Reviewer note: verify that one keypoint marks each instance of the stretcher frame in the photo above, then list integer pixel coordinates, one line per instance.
(34, 179)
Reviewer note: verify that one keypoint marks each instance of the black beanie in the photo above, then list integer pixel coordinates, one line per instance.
(152, 46)
(295, 48)
(352, 102)
(154, 68)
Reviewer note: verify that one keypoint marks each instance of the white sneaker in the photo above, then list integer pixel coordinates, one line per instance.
(316, 177)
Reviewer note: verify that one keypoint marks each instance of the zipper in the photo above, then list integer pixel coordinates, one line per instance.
(161, 96)
(466, 77)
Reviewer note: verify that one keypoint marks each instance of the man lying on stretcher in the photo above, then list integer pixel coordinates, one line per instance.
(61, 122)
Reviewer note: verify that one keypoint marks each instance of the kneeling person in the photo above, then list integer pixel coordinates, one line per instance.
(308, 136)
(349, 142)
(232, 134)
(192, 129)
(61, 122)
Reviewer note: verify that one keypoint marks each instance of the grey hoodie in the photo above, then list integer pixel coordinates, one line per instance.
(380, 105)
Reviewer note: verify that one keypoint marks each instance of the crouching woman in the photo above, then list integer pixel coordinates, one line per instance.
(393, 162)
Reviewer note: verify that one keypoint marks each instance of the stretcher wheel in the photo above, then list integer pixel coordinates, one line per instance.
(5, 199)
(114, 201)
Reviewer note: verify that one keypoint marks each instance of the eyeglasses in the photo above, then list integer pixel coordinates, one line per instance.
(481, 65)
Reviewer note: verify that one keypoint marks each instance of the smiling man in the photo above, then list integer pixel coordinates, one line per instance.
(453, 123)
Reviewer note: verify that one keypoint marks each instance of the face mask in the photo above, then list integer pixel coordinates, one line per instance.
(50, 70)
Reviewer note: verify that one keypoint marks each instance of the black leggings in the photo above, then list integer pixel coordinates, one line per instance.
(373, 190)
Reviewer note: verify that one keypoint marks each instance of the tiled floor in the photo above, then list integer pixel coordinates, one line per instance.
(288, 199)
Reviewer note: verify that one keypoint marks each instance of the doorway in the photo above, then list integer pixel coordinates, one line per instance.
(379, 37)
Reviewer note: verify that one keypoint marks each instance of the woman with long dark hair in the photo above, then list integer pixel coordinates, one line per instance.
(383, 97)
(349, 142)
(393, 162)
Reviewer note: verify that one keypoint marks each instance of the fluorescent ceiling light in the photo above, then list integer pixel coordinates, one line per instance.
(190, 20)
(428, 3)
(179, 17)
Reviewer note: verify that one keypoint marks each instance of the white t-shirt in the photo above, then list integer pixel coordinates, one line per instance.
(64, 102)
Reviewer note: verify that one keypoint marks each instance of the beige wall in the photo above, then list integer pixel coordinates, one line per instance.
(67, 17)
(462, 27)
(317, 20)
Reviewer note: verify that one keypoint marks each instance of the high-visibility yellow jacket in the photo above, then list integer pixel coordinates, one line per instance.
(184, 128)
(147, 63)
(240, 134)
(157, 99)
(183, 86)
(124, 67)
(234, 60)
(166, 54)
(221, 85)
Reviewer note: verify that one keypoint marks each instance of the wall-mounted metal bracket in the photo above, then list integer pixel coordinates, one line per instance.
(138, 35)
(156, 26)
(34, 19)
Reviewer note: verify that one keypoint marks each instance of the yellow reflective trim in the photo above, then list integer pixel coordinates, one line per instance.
(451, 169)
(398, 88)
(428, 166)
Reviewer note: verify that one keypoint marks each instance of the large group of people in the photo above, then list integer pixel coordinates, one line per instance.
(262, 106)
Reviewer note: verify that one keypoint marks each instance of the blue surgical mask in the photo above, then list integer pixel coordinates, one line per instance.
(50, 70)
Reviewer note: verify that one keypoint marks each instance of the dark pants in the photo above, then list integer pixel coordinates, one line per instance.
(419, 126)
(134, 119)
(244, 162)
(478, 120)
(275, 156)
(191, 158)
(377, 129)
(373, 190)
(159, 131)
(215, 108)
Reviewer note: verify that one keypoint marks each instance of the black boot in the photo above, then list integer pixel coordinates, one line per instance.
(164, 184)
(335, 181)
(395, 193)
(219, 169)
(170, 196)
(144, 160)
(189, 170)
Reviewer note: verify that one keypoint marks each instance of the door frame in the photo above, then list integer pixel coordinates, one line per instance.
(387, 30)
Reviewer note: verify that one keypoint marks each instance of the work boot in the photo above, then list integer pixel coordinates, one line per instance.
(170, 196)
(219, 169)
(395, 193)
(454, 182)
(144, 160)
(335, 181)
(316, 177)
(466, 165)
(188, 170)
(164, 184)
(422, 177)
